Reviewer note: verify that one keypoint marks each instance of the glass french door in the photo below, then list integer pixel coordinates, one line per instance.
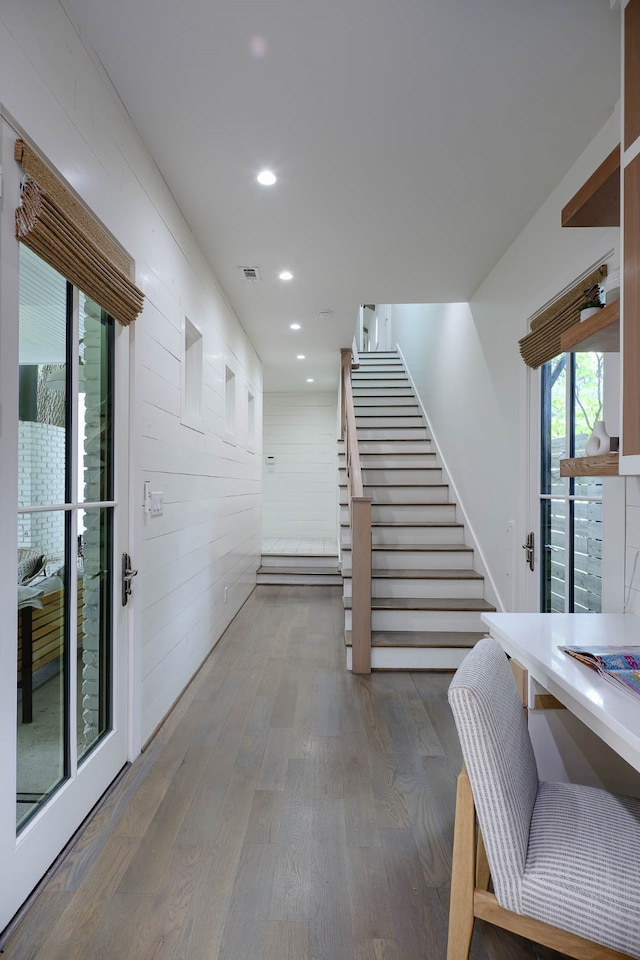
(64, 373)
(65, 531)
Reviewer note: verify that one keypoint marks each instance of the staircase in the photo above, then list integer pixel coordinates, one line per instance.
(427, 599)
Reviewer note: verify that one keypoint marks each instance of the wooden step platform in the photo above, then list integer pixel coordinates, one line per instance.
(301, 569)
(300, 575)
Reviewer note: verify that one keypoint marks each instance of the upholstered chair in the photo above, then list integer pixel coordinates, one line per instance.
(563, 859)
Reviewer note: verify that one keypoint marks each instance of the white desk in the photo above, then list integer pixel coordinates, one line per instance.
(533, 639)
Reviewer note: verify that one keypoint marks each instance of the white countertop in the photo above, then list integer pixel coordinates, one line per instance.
(533, 639)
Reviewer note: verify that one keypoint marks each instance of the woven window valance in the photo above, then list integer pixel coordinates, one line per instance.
(52, 223)
(543, 343)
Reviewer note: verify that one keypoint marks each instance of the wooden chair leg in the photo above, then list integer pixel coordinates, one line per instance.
(483, 873)
(463, 869)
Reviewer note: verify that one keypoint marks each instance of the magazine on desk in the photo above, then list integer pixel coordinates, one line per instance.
(620, 665)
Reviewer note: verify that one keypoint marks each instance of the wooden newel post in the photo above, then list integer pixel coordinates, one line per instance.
(345, 373)
(361, 585)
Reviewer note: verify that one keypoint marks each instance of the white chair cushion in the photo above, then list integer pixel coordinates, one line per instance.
(500, 762)
(583, 864)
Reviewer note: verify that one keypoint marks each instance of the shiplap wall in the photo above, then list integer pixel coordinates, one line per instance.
(209, 535)
(300, 489)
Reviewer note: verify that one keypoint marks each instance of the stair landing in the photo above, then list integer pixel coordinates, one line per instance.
(319, 570)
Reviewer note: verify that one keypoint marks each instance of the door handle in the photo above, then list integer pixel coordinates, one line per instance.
(127, 576)
(529, 546)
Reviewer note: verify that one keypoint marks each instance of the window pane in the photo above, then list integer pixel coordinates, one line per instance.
(554, 521)
(554, 424)
(571, 521)
(587, 545)
(42, 660)
(95, 404)
(587, 486)
(94, 611)
(42, 403)
(587, 390)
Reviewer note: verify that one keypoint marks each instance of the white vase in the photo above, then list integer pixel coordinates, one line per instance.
(588, 312)
(599, 441)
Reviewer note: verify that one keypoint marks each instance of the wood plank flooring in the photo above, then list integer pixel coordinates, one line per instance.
(286, 810)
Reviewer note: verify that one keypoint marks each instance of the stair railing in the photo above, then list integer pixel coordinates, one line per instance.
(360, 519)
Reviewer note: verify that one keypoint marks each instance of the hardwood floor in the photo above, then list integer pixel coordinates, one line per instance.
(286, 810)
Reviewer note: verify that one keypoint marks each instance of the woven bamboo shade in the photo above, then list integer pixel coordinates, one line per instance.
(543, 343)
(52, 223)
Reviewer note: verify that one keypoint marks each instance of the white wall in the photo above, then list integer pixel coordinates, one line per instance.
(300, 490)
(632, 545)
(466, 364)
(209, 535)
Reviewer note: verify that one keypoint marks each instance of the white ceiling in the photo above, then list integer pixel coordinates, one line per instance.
(412, 139)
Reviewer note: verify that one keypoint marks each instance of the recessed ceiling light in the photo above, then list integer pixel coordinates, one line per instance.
(301, 356)
(286, 275)
(309, 379)
(267, 178)
(294, 326)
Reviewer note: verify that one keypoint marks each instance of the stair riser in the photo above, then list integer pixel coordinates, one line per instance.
(300, 579)
(385, 434)
(393, 412)
(381, 536)
(381, 366)
(414, 620)
(423, 475)
(390, 383)
(408, 589)
(387, 461)
(298, 560)
(433, 512)
(388, 536)
(386, 447)
(389, 423)
(407, 493)
(374, 355)
(381, 402)
(410, 658)
(365, 376)
(431, 493)
(383, 392)
(374, 478)
(420, 560)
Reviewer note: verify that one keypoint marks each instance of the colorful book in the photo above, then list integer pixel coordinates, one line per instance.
(620, 665)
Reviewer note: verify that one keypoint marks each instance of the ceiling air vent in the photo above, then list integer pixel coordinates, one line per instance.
(250, 274)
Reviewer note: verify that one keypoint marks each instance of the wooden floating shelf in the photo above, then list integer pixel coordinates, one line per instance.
(597, 202)
(599, 333)
(604, 465)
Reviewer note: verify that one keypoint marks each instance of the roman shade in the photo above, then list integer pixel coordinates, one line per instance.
(59, 229)
(547, 327)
